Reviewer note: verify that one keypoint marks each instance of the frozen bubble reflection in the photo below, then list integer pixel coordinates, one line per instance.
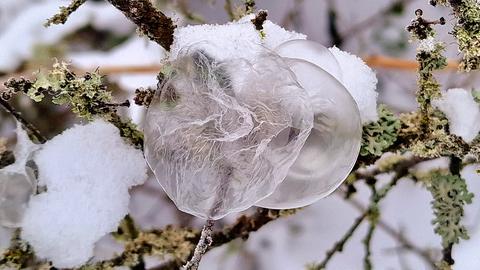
(221, 135)
(17, 182)
(15, 192)
(330, 151)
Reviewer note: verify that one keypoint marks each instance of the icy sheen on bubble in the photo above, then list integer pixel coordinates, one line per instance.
(221, 135)
(332, 148)
(312, 52)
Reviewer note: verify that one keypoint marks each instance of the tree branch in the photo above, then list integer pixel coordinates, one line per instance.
(62, 16)
(18, 116)
(153, 23)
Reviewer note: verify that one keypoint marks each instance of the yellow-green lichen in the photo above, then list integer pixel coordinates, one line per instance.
(466, 31)
(378, 136)
(450, 194)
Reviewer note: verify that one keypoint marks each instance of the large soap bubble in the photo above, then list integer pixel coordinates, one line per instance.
(332, 148)
(221, 135)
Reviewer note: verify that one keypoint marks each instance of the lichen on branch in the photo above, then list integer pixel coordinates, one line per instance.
(87, 96)
(466, 30)
(62, 16)
(380, 135)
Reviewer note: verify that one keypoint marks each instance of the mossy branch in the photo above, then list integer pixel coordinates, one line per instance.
(65, 12)
(153, 23)
(466, 30)
(150, 21)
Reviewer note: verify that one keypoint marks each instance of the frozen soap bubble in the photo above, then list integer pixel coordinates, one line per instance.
(221, 135)
(17, 182)
(311, 52)
(15, 192)
(331, 150)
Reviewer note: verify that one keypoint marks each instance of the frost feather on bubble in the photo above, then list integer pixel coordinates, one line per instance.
(87, 171)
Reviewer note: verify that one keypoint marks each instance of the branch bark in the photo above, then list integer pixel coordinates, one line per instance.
(18, 116)
(153, 23)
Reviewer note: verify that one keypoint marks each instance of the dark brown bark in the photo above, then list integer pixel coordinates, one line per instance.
(153, 23)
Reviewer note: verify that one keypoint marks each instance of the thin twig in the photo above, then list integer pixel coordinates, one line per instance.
(338, 247)
(18, 116)
(379, 61)
(367, 261)
(65, 12)
(203, 244)
(371, 20)
(406, 243)
(376, 198)
(240, 229)
(373, 217)
(374, 61)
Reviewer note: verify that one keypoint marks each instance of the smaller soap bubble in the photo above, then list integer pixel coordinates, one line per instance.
(312, 52)
(331, 150)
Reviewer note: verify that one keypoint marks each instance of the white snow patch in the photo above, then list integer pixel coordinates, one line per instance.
(233, 40)
(427, 45)
(360, 81)
(462, 112)
(87, 171)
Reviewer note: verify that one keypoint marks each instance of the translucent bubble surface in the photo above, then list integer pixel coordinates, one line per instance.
(312, 52)
(332, 147)
(221, 135)
(15, 192)
(17, 182)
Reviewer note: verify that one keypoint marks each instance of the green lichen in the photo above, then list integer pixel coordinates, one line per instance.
(435, 140)
(62, 16)
(450, 195)
(476, 95)
(388, 163)
(87, 96)
(475, 148)
(249, 6)
(380, 135)
(172, 242)
(466, 30)
(429, 88)
(18, 255)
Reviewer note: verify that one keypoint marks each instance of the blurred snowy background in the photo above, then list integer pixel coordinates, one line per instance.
(97, 35)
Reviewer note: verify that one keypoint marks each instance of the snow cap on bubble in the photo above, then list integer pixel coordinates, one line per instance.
(237, 39)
